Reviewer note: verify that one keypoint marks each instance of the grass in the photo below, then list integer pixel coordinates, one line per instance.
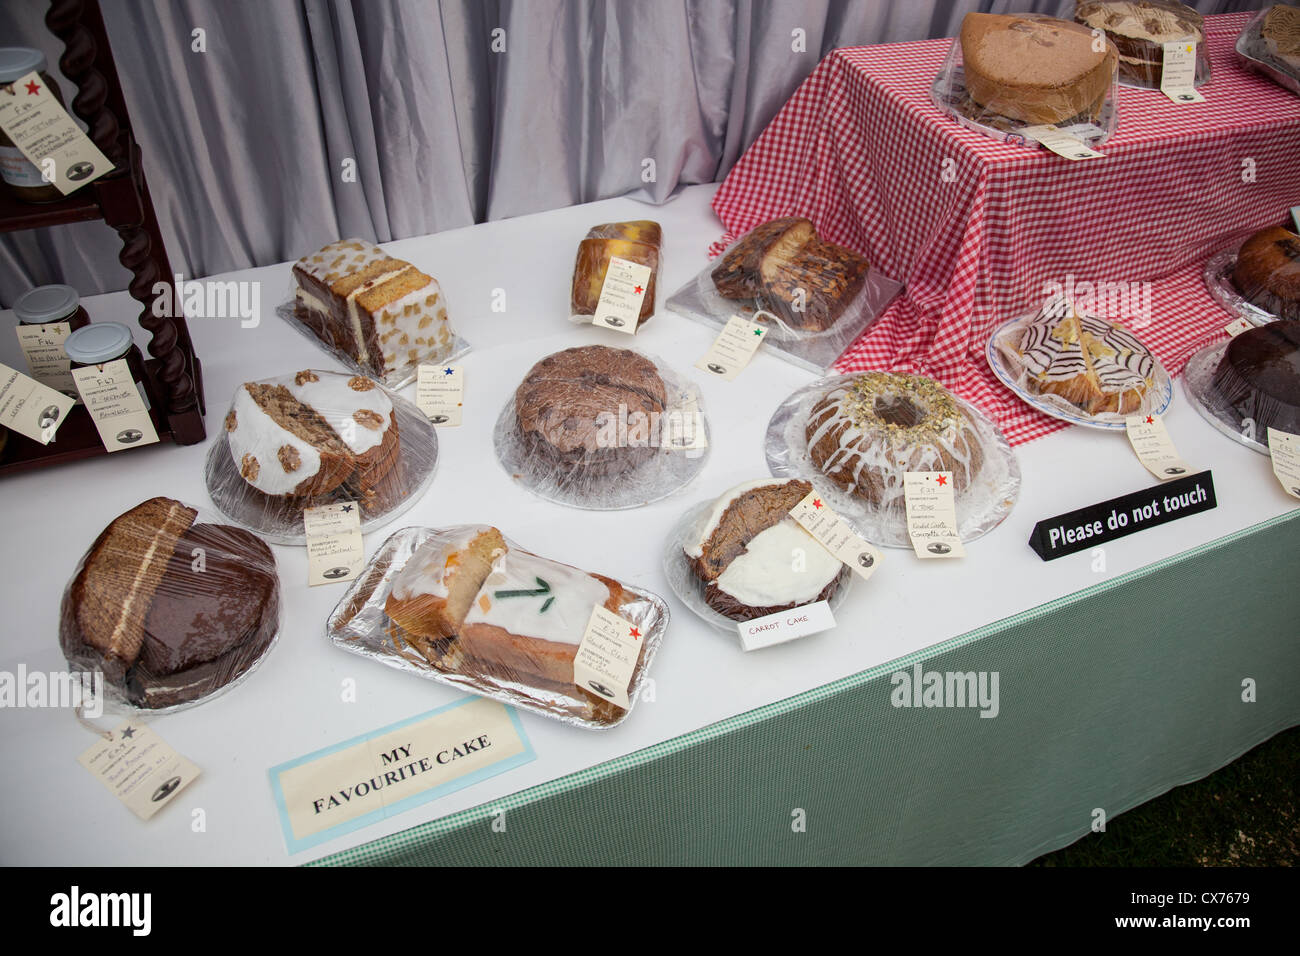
(1242, 815)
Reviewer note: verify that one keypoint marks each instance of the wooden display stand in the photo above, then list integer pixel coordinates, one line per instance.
(121, 199)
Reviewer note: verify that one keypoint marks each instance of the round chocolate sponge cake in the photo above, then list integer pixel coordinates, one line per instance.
(1259, 376)
(591, 411)
(168, 608)
(866, 433)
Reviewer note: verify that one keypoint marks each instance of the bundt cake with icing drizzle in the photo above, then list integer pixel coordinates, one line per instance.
(864, 434)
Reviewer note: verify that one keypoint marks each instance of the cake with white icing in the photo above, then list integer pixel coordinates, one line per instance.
(1097, 366)
(382, 312)
(1140, 29)
(312, 432)
(868, 430)
(753, 559)
(466, 595)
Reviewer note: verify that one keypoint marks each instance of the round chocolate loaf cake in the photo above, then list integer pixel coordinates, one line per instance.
(1267, 273)
(1259, 375)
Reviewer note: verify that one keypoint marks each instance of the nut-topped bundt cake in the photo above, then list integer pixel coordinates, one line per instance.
(865, 433)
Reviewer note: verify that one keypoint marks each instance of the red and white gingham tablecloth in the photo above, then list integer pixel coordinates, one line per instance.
(861, 151)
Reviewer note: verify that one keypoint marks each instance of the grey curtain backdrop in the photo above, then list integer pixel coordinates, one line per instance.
(450, 112)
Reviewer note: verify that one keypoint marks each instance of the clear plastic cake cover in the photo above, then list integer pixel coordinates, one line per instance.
(632, 444)
(311, 438)
(1214, 407)
(1277, 55)
(638, 241)
(1001, 112)
(1218, 272)
(1124, 352)
(493, 620)
(982, 502)
(169, 607)
(1141, 60)
(690, 587)
(814, 297)
(401, 373)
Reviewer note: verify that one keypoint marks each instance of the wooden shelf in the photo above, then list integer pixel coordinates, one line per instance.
(122, 201)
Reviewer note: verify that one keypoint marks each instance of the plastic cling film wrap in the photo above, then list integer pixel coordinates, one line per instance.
(311, 438)
(639, 241)
(1139, 29)
(378, 315)
(602, 429)
(1258, 278)
(815, 297)
(1249, 384)
(1079, 368)
(855, 436)
(776, 565)
(1270, 44)
(467, 607)
(171, 606)
(1005, 73)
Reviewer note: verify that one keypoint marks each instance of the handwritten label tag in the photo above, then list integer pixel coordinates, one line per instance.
(1178, 74)
(116, 403)
(361, 781)
(1062, 144)
(1236, 328)
(834, 534)
(440, 393)
(932, 514)
(1284, 448)
(52, 142)
(1154, 448)
(682, 428)
(621, 295)
(138, 768)
(335, 551)
(30, 408)
(42, 346)
(607, 656)
(732, 350)
(785, 625)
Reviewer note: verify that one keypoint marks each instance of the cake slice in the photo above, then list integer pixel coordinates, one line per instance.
(762, 250)
(811, 289)
(1097, 366)
(753, 558)
(380, 311)
(432, 593)
(1140, 29)
(1039, 70)
(1281, 33)
(115, 587)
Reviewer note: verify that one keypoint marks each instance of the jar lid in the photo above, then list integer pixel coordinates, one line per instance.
(46, 303)
(17, 61)
(97, 343)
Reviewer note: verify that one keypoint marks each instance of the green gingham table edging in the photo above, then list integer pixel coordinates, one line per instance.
(464, 818)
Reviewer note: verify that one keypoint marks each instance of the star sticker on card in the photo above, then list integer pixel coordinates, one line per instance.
(942, 479)
(449, 371)
(128, 733)
(633, 632)
(33, 88)
(638, 290)
(347, 509)
(817, 502)
(758, 331)
(1150, 420)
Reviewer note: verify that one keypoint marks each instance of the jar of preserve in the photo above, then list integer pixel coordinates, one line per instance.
(102, 342)
(20, 176)
(47, 304)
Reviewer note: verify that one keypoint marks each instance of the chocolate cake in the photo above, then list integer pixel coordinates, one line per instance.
(1140, 29)
(1267, 273)
(1259, 375)
(170, 609)
(590, 411)
(743, 552)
